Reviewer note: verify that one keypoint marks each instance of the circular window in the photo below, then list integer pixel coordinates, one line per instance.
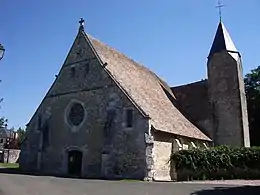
(76, 114)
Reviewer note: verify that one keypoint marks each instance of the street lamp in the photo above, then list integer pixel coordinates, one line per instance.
(2, 51)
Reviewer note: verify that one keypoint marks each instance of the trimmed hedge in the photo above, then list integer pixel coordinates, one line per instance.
(217, 163)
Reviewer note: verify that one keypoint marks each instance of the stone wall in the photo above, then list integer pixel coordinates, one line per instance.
(194, 104)
(90, 137)
(244, 113)
(11, 155)
(110, 149)
(162, 154)
(228, 101)
(164, 146)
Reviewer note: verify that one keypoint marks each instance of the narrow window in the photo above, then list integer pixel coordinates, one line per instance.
(129, 118)
(86, 68)
(39, 122)
(45, 135)
(1, 141)
(72, 72)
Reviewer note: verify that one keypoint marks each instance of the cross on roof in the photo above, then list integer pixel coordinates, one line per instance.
(219, 6)
(81, 24)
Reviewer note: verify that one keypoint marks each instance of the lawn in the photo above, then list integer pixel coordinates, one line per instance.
(9, 165)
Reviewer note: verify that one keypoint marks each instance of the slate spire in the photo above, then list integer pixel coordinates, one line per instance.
(222, 41)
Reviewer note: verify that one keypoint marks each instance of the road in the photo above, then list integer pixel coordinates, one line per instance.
(15, 184)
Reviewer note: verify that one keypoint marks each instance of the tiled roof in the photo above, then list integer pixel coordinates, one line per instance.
(147, 90)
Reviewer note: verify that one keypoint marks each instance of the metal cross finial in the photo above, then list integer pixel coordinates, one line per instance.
(81, 24)
(219, 6)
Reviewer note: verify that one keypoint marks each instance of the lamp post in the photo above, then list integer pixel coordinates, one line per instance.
(2, 51)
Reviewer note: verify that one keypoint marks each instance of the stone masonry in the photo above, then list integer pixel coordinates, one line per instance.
(91, 87)
(227, 97)
(106, 116)
(217, 105)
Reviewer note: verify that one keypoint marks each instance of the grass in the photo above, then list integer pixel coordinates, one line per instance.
(9, 165)
(130, 180)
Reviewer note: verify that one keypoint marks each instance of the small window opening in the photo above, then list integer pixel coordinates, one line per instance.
(86, 68)
(72, 71)
(1, 141)
(39, 122)
(129, 118)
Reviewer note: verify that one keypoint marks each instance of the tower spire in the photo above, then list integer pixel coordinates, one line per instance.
(222, 41)
(219, 7)
(81, 24)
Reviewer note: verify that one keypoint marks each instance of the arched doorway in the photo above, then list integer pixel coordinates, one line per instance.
(74, 162)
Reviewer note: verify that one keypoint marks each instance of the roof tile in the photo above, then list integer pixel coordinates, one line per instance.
(147, 90)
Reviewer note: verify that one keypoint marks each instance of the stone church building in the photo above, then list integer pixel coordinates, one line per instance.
(107, 116)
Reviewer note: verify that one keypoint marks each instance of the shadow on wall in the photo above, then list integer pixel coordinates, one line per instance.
(241, 190)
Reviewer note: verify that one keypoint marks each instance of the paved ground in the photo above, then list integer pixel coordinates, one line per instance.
(15, 184)
(229, 182)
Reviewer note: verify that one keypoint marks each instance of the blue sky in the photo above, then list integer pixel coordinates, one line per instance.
(170, 37)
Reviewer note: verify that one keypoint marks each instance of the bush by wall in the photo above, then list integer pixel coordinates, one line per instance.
(217, 163)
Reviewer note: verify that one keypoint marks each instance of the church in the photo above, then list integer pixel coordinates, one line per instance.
(107, 116)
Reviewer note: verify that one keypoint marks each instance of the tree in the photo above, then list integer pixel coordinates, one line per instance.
(21, 136)
(252, 89)
(3, 122)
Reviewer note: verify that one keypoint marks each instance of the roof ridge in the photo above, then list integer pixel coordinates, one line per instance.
(189, 84)
(118, 51)
(160, 80)
(88, 37)
(146, 89)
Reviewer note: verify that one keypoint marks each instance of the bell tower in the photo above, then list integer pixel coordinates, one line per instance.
(227, 92)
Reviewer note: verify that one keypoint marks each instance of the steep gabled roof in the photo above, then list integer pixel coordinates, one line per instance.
(147, 90)
(223, 42)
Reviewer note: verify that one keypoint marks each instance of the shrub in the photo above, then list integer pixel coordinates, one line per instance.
(218, 163)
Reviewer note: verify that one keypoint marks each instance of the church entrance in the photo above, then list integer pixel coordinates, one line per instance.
(74, 163)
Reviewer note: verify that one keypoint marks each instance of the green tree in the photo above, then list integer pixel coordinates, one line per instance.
(3, 122)
(252, 88)
(21, 135)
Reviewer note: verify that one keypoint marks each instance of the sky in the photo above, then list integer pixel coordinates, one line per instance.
(170, 37)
